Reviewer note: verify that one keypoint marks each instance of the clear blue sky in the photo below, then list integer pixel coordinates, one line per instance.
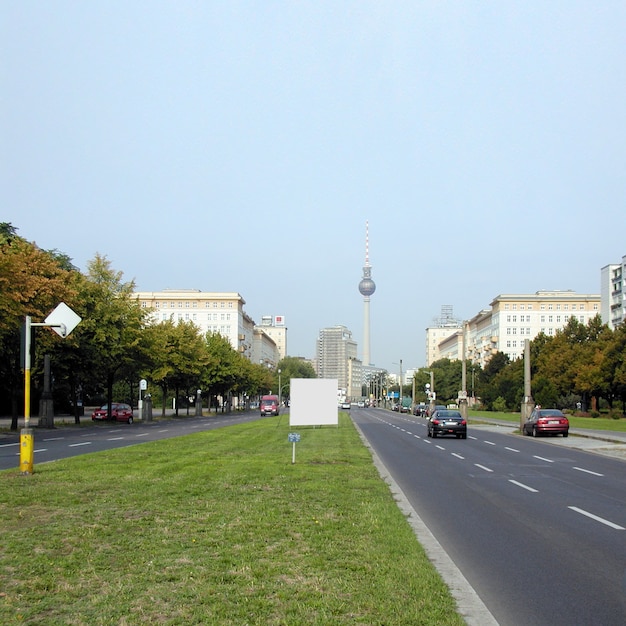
(241, 146)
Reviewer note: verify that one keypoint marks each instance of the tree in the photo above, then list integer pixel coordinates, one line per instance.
(112, 324)
(32, 282)
(291, 367)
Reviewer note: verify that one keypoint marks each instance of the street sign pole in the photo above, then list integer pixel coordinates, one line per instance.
(63, 321)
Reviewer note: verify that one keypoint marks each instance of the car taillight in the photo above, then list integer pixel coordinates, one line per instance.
(463, 423)
(435, 421)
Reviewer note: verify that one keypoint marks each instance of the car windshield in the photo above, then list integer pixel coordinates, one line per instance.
(449, 414)
(550, 412)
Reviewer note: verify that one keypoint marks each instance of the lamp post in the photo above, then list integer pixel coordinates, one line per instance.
(400, 407)
(279, 389)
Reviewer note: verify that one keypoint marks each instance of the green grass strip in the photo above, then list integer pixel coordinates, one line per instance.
(217, 527)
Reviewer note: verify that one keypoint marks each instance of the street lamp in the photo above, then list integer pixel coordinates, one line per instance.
(279, 389)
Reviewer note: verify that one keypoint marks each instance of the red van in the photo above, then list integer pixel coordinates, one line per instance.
(269, 405)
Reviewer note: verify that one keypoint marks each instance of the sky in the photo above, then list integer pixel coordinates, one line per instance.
(242, 147)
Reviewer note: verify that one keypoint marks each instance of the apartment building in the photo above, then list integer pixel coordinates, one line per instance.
(274, 327)
(613, 293)
(512, 319)
(212, 312)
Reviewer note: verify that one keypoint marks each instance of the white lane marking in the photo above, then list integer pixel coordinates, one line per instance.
(53, 439)
(7, 445)
(84, 443)
(541, 458)
(581, 469)
(470, 437)
(490, 443)
(523, 486)
(596, 518)
(510, 449)
(458, 456)
(40, 450)
(164, 430)
(417, 436)
(142, 435)
(441, 447)
(114, 438)
(483, 467)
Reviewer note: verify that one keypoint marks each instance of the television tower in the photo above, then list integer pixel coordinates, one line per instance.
(367, 287)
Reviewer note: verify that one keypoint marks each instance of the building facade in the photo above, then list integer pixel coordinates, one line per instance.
(613, 294)
(512, 319)
(336, 357)
(211, 312)
(274, 327)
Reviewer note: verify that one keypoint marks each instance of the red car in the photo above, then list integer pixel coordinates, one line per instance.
(119, 412)
(546, 422)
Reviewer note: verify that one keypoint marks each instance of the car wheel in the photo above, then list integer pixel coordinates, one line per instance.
(535, 432)
(565, 434)
(434, 435)
(464, 436)
(130, 420)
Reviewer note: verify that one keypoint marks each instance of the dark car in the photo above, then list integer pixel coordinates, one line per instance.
(447, 422)
(546, 422)
(420, 409)
(120, 412)
(438, 407)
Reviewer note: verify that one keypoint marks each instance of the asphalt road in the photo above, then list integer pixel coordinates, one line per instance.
(536, 526)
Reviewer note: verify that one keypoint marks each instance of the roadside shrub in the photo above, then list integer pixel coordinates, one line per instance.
(499, 404)
(594, 414)
(615, 414)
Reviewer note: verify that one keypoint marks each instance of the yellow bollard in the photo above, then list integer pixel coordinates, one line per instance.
(27, 445)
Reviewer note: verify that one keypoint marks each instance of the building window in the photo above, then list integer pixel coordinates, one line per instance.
(549, 319)
(558, 307)
(508, 318)
(549, 307)
(595, 306)
(543, 307)
(506, 307)
(543, 319)
(157, 305)
(186, 305)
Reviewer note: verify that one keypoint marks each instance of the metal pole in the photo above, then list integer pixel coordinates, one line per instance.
(26, 435)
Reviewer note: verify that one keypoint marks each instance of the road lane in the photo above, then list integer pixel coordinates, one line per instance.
(501, 505)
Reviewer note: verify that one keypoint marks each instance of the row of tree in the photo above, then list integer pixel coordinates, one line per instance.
(580, 367)
(115, 340)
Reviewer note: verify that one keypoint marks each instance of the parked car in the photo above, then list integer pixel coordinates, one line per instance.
(120, 412)
(546, 422)
(345, 406)
(447, 422)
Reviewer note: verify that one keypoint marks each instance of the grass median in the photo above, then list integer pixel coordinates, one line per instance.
(217, 527)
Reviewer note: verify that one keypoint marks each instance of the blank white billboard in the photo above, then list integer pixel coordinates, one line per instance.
(313, 402)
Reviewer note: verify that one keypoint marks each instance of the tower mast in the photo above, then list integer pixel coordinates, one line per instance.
(367, 287)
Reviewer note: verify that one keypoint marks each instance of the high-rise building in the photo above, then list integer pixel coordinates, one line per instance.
(367, 287)
(337, 358)
(613, 293)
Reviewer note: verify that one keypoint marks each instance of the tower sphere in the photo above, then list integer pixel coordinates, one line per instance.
(367, 286)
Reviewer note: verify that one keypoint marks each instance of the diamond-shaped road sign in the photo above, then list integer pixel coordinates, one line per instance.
(63, 320)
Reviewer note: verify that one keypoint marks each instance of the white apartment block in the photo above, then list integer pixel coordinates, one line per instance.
(613, 293)
(512, 319)
(211, 312)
